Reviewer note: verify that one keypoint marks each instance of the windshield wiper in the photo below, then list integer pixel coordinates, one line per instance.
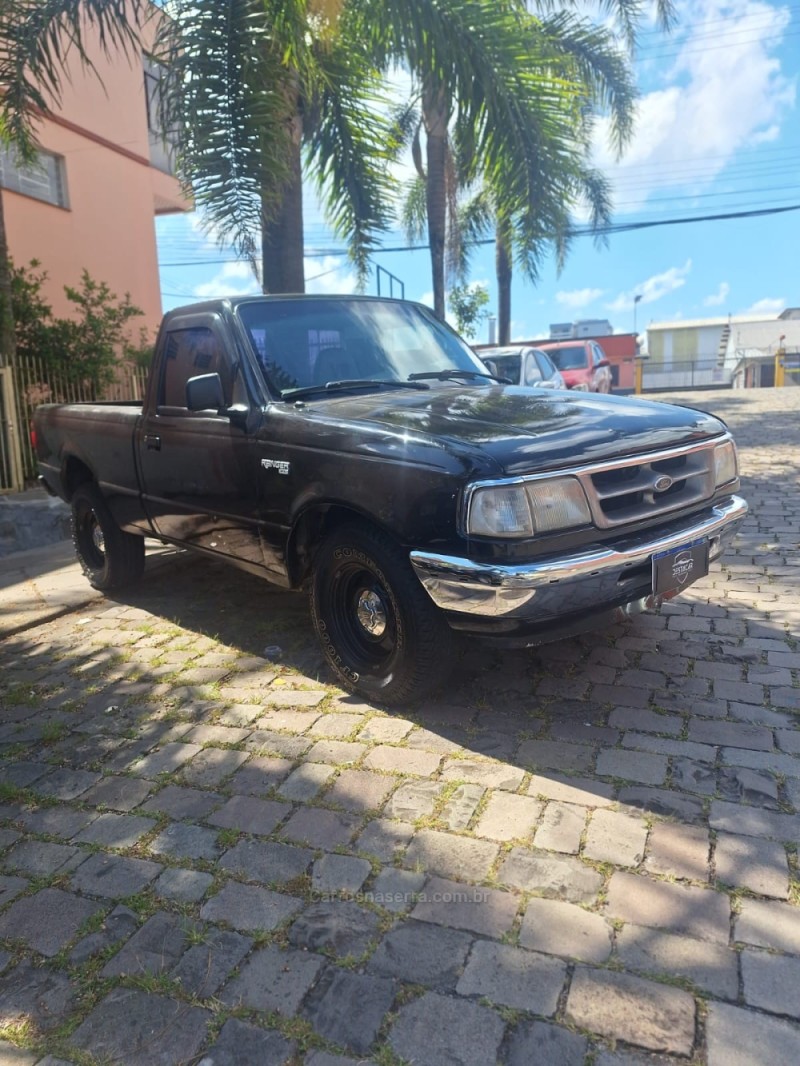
(447, 375)
(349, 383)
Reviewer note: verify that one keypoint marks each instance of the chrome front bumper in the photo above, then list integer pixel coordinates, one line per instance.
(596, 576)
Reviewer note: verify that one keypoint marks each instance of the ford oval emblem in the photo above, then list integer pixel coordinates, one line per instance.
(663, 483)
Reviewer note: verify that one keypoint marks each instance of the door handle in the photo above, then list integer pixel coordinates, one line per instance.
(152, 443)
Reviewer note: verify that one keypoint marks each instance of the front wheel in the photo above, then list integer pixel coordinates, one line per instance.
(109, 558)
(380, 632)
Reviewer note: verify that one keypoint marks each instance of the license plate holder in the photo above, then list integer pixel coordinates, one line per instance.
(677, 568)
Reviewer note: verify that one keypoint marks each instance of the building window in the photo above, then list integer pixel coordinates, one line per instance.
(162, 144)
(44, 179)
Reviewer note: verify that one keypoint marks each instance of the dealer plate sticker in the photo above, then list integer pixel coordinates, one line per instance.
(677, 568)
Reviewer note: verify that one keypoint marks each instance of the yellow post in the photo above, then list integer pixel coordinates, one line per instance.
(638, 374)
(780, 370)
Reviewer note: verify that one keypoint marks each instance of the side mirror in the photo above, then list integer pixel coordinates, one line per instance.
(204, 393)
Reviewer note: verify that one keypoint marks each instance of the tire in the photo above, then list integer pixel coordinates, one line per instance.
(380, 632)
(109, 558)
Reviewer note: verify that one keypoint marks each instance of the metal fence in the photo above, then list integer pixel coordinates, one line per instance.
(685, 374)
(29, 384)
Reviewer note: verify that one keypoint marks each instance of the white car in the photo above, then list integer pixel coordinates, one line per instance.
(523, 366)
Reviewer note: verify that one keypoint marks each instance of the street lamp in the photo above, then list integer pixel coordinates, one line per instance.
(636, 299)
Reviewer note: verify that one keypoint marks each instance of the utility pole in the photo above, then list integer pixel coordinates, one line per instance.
(636, 299)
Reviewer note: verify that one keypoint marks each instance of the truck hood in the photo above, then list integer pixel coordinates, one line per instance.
(528, 430)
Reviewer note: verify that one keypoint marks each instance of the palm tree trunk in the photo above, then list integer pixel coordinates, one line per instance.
(282, 235)
(435, 115)
(8, 345)
(504, 271)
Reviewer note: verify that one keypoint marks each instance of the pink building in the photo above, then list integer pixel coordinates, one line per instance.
(103, 178)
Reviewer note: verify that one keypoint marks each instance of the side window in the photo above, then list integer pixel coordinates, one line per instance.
(546, 368)
(187, 354)
(532, 373)
(598, 355)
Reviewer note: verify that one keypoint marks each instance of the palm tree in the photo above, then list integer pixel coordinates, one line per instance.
(36, 38)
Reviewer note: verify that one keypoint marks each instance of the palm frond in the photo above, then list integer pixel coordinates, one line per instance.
(414, 210)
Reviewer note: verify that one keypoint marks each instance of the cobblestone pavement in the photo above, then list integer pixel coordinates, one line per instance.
(582, 854)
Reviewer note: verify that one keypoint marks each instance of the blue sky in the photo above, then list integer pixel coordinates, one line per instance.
(717, 132)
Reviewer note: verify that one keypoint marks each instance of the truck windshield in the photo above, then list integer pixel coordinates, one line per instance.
(303, 342)
(570, 358)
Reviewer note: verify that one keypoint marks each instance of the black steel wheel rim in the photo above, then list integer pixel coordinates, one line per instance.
(363, 622)
(92, 538)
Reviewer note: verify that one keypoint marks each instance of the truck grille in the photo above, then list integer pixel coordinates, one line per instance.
(632, 490)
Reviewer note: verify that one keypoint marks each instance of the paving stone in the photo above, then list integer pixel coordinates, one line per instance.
(645, 721)
(115, 830)
(557, 928)
(338, 752)
(117, 793)
(413, 800)
(746, 862)
(698, 912)
(508, 817)
(738, 1037)
(324, 1058)
(274, 980)
(11, 1055)
(117, 927)
(396, 890)
(488, 774)
(753, 821)
(181, 841)
(212, 766)
(250, 815)
(486, 911)
(35, 995)
(557, 877)
(385, 730)
(142, 1029)
(164, 760)
(632, 766)
(204, 968)
(360, 790)
(8, 837)
(306, 782)
(114, 876)
(732, 734)
(338, 927)
(66, 784)
(427, 740)
(216, 734)
(561, 828)
(751, 786)
(678, 851)
(184, 886)
(581, 791)
(768, 925)
(461, 805)
(712, 967)
(771, 982)
(239, 1043)
(776, 762)
(441, 1031)
(348, 1008)
(402, 760)
(259, 775)
(266, 861)
(319, 828)
(616, 838)
(422, 954)
(293, 698)
(177, 802)
(22, 773)
(48, 920)
(622, 1007)
(452, 856)
(539, 1042)
(338, 725)
(41, 859)
(664, 802)
(513, 977)
(154, 948)
(249, 908)
(332, 874)
(267, 741)
(384, 838)
(555, 755)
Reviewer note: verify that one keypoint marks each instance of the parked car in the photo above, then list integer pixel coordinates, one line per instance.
(583, 364)
(358, 448)
(523, 366)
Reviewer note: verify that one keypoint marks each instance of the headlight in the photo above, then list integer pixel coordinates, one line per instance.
(725, 467)
(524, 510)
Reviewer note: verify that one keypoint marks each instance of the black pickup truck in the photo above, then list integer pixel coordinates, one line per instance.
(357, 447)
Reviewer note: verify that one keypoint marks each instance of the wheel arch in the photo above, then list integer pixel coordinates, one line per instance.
(74, 472)
(312, 525)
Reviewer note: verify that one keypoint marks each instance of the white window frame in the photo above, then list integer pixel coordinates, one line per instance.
(46, 182)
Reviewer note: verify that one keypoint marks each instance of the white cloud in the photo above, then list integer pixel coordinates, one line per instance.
(768, 306)
(720, 95)
(329, 275)
(575, 299)
(427, 298)
(652, 288)
(235, 279)
(719, 297)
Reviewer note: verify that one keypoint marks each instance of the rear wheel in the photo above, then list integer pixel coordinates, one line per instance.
(380, 632)
(109, 558)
